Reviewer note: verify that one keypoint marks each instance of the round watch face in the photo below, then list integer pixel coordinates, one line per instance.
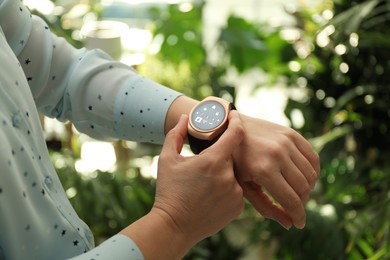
(208, 115)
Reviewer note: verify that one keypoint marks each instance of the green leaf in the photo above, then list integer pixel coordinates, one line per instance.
(250, 45)
(350, 20)
(365, 247)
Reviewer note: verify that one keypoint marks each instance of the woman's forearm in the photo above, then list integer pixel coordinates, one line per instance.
(181, 105)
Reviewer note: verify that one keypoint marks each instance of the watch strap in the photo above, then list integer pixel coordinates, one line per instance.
(198, 145)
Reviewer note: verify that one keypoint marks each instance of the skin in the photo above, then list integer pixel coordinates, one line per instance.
(195, 196)
(271, 158)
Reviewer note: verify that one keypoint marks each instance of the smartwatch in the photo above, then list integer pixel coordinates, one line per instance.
(207, 121)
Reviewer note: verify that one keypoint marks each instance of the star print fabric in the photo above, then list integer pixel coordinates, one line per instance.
(35, 215)
(103, 98)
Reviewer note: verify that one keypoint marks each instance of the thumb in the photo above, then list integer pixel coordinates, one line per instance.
(175, 138)
(231, 138)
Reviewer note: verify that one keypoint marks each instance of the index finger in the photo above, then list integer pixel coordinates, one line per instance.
(231, 138)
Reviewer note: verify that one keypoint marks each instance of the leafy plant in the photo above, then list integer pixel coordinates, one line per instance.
(347, 89)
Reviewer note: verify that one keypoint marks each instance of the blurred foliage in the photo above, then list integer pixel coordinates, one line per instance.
(182, 50)
(344, 70)
(338, 63)
(248, 45)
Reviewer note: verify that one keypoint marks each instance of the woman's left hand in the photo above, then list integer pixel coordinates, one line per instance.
(276, 163)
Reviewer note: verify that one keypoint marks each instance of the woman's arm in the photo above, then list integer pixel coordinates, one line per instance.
(103, 98)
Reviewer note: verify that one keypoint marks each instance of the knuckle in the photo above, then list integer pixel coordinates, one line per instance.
(210, 161)
(258, 167)
(317, 161)
(313, 177)
(287, 139)
(290, 133)
(239, 132)
(224, 181)
(266, 165)
(278, 148)
(263, 173)
(305, 189)
(275, 149)
(239, 193)
(316, 157)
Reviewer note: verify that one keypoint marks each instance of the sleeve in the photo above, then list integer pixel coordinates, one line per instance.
(37, 220)
(103, 98)
(113, 248)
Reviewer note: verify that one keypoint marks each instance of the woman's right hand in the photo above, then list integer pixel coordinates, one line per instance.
(199, 195)
(195, 196)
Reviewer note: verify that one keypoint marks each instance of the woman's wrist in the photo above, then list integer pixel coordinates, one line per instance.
(158, 237)
(181, 105)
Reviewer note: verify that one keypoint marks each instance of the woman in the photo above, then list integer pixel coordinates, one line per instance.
(108, 100)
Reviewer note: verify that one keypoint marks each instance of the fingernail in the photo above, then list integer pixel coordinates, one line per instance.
(182, 117)
(285, 224)
(286, 227)
(301, 226)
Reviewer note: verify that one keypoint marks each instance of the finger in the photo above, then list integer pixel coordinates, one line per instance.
(231, 138)
(307, 150)
(175, 138)
(305, 167)
(264, 205)
(297, 180)
(286, 196)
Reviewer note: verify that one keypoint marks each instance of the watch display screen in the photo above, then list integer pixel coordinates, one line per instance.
(208, 115)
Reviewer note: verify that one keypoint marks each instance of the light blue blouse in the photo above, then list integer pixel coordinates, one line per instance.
(103, 98)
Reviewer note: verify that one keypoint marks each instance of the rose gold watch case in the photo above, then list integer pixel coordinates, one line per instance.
(213, 133)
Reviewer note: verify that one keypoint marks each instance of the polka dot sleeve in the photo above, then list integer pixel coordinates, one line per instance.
(37, 220)
(102, 97)
(113, 249)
